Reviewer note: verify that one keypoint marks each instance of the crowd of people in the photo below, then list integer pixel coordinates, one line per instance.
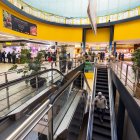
(9, 57)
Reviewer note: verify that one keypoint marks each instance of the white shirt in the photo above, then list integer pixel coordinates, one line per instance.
(101, 102)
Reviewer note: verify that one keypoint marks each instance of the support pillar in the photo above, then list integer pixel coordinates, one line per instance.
(84, 40)
(114, 48)
(120, 119)
(111, 38)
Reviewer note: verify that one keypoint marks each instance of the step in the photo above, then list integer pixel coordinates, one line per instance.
(72, 136)
(102, 77)
(101, 87)
(103, 74)
(102, 83)
(104, 91)
(74, 128)
(102, 80)
(107, 112)
(105, 125)
(99, 137)
(106, 118)
(102, 131)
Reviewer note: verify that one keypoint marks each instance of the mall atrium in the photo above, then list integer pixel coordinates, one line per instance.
(69, 69)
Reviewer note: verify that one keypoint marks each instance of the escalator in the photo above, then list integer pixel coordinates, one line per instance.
(102, 131)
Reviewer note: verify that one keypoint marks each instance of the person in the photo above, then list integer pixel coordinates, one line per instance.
(101, 105)
(122, 56)
(13, 57)
(0, 56)
(3, 56)
(9, 57)
(116, 54)
(119, 56)
(54, 58)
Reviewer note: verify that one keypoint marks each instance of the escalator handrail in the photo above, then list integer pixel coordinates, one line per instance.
(26, 125)
(13, 82)
(91, 108)
(54, 97)
(112, 110)
(49, 102)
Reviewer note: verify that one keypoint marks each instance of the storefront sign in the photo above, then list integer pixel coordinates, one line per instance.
(18, 25)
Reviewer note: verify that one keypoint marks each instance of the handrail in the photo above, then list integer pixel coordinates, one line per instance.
(91, 108)
(10, 83)
(30, 121)
(54, 97)
(112, 110)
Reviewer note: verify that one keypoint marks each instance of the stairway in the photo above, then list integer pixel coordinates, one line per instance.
(102, 131)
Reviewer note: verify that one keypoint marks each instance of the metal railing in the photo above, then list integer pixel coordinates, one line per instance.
(91, 108)
(52, 111)
(112, 108)
(18, 90)
(11, 75)
(128, 74)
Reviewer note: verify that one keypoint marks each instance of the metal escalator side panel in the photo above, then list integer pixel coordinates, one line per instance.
(111, 106)
(91, 108)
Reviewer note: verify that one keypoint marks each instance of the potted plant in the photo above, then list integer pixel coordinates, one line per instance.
(32, 66)
(136, 69)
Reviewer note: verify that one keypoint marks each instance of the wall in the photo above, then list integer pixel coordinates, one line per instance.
(45, 31)
(103, 35)
(127, 31)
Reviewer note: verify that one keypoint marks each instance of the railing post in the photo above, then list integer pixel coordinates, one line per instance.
(121, 70)
(7, 91)
(136, 79)
(52, 73)
(50, 124)
(126, 75)
(117, 68)
(36, 82)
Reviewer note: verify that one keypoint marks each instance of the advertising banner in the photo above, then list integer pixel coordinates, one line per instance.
(19, 25)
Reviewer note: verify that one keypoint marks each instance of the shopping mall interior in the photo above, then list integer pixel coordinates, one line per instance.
(70, 70)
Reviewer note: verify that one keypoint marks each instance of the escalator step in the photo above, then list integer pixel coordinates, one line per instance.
(102, 87)
(104, 125)
(102, 80)
(102, 131)
(106, 118)
(102, 90)
(72, 136)
(107, 112)
(102, 77)
(98, 137)
(101, 83)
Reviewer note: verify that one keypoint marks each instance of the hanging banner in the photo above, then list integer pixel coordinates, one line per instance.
(19, 25)
(92, 14)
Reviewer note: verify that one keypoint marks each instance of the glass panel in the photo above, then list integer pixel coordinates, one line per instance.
(62, 104)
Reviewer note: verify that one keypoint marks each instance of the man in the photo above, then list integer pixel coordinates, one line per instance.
(101, 105)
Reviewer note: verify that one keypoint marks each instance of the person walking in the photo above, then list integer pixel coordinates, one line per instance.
(122, 56)
(0, 56)
(119, 56)
(54, 58)
(13, 57)
(9, 57)
(3, 56)
(101, 105)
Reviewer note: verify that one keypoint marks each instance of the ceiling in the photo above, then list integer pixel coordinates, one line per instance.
(78, 8)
